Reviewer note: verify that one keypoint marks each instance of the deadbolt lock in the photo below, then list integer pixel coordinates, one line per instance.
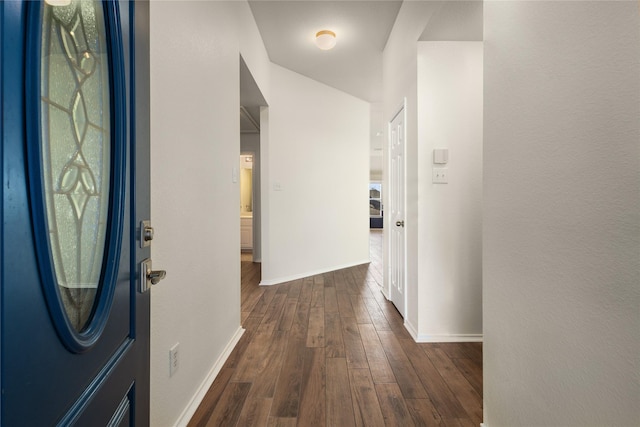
(146, 233)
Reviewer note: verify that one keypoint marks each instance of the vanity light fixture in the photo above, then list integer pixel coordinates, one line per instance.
(325, 39)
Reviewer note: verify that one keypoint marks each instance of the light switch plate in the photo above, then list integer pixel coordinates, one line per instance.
(440, 176)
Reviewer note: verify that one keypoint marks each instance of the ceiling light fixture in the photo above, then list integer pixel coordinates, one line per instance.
(325, 39)
(58, 2)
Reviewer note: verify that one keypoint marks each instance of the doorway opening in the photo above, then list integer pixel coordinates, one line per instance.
(250, 184)
(246, 203)
(252, 112)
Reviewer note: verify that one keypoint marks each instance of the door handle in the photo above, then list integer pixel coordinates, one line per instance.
(149, 276)
(155, 276)
(399, 223)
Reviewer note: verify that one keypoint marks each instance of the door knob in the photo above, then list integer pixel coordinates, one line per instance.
(399, 223)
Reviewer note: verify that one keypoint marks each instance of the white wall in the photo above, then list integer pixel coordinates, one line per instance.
(318, 150)
(377, 126)
(442, 85)
(252, 47)
(562, 214)
(450, 215)
(400, 80)
(195, 143)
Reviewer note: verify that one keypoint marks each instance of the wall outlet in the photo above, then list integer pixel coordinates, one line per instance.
(173, 359)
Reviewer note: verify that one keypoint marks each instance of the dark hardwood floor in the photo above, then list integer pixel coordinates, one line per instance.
(330, 350)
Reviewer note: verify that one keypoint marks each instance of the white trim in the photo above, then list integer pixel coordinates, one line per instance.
(448, 338)
(426, 338)
(195, 401)
(280, 280)
(411, 329)
(402, 106)
(484, 425)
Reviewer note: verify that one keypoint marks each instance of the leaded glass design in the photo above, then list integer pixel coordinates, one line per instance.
(76, 149)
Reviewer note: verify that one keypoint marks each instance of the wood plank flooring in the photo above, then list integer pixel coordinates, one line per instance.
(330, 350)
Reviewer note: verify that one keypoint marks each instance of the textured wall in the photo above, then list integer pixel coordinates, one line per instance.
(561, 214)
(195, 144)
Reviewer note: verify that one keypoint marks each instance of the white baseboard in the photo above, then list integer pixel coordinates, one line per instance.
(425, 338)
(448, 338)
(411, 329)
(280, 280)
(195, 401)
(484, 425)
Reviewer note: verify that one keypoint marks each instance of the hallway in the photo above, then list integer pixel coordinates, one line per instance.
(330, 350)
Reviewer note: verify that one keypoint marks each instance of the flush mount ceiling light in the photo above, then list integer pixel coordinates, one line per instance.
(325, 39)
(58, 2)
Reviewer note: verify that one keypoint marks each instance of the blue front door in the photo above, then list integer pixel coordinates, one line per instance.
(74, 155)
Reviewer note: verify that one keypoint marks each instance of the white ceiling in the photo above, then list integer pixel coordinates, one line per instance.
(354, 66)
(288, 29)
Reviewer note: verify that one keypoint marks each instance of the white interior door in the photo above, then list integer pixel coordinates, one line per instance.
(396, 211)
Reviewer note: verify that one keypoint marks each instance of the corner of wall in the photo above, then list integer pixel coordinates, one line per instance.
(413, 331)
(197, 44)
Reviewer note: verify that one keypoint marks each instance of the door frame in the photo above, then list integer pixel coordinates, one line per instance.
(140, 194)
(401, 109)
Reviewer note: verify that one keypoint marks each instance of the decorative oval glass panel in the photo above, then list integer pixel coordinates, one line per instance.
(76, 150)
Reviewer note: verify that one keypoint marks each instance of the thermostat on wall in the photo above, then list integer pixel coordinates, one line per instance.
(440, 156)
